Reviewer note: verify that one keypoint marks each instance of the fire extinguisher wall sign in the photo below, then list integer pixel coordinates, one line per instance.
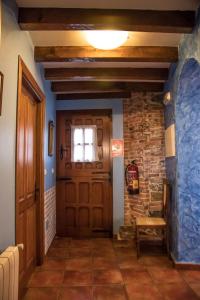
(132, 178)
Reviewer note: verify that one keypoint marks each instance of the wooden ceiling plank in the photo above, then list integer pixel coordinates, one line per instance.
(80, 74)
(106, 86)
(101, 95)
(122, 54)
(102, 19)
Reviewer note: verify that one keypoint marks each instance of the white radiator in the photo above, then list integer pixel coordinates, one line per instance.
(9, 273)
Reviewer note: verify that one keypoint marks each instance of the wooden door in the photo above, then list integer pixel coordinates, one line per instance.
(29, 173)
(84, 189)
(27, 180)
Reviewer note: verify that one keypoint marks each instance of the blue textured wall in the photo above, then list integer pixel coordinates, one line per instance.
(50, 161)
(183, 171)
(188, 162)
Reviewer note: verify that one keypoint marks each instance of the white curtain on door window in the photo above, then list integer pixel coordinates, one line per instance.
(83, 143)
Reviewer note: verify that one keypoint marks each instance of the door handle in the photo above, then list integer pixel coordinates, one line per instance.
(62, 150)
(63, 178)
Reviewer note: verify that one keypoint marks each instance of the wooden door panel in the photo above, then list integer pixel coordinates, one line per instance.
(30, 144)
(70, 192)
(22, 240)
(21, 152)
(84, 192)
(30, 235)
(84, 201)
(26, 172)
(97, 220)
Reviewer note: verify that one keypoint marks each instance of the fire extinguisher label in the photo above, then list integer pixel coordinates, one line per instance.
(135, 184)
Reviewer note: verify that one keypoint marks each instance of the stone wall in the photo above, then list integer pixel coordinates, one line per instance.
(144, 142)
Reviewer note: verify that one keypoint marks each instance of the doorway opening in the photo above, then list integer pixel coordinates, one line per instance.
(84, 173)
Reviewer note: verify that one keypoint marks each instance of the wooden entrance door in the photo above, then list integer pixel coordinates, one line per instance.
(84, 189)
(29, 179)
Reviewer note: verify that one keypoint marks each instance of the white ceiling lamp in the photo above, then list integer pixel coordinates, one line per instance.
(106, 39)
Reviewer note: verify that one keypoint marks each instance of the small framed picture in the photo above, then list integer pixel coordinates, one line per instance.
(1, 91)
(51, 138)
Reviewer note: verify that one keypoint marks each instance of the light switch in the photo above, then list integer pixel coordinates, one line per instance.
(52, 171)
(45, 172)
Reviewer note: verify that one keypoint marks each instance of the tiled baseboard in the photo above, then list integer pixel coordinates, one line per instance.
(49, 216)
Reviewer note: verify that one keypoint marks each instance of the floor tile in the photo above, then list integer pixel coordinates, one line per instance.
(52, 264)
(156, 261)
(77, 278)
(123, 244)
(191, 275)
(61, 243)
(196, 288)
(125, 252)
(80, 252)
(130, 262)
(116, 292)
(46, 279)
(106, 242)
(177, 291)
(131, 276)
(166, 275)
(103, 263)
(58, 252)
(97, 269)
(106, 253)
(41, 294)
(79, 263)
(139, 291)
(85, 243)
(109, 276)
(76, 293)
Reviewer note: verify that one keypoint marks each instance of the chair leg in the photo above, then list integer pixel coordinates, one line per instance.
(167, 241)
(137, 242)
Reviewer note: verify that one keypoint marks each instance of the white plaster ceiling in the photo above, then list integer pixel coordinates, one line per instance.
(121, 4)
(77, 38)
(107, 64)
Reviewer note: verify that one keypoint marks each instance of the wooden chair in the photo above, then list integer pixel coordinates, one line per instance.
(145, 223)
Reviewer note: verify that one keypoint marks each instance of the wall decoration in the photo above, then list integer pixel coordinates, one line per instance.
(1, 90)
(51, 138)
(170, 148)
(117, 147)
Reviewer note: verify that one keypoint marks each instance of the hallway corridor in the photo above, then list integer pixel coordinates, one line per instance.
(105, 269)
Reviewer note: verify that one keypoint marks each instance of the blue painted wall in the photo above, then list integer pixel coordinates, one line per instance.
(14, 43)
(118, 162)
(183, 171)
(188, 162)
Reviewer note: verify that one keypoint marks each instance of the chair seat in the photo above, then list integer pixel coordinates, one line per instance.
(150, 221)
(145, 237)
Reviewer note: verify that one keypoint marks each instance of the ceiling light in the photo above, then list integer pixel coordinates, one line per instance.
(106, 39)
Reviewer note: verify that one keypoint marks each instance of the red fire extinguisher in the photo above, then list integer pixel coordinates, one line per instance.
(132, 178)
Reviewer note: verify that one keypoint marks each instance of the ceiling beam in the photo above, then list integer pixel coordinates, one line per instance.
(121, 54)
(100, 95)
(105, 86)
(101, 19)
(120, 74)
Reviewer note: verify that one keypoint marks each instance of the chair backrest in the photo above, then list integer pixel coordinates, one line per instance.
(166, 198)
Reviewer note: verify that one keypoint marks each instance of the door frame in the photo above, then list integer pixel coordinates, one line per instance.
(26, 78)
(109, 113)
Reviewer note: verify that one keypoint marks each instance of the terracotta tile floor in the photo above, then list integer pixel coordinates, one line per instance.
(105, 269)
